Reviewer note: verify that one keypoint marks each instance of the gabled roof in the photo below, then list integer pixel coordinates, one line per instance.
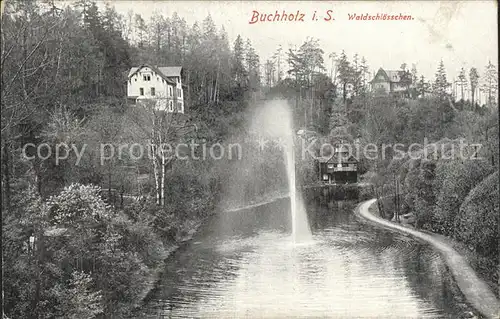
(394, 75)
(337, 158)
(166, 72)
(171, 70)
(390, 75)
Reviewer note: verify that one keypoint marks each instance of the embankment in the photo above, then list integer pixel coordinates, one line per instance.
(475, 290)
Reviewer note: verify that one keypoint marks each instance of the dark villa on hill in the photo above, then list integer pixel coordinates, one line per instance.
(339, 168)
(394, 82)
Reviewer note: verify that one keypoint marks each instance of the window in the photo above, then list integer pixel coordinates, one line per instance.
(135, 79)
(146, 77)
(141, 90)
(179, 107)
(170, 91)
(170, 106)
(179, 93)
(153, 91)
(325, 177)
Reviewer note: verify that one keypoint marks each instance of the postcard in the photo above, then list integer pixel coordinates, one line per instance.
(249, 159)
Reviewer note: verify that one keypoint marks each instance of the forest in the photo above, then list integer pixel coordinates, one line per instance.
(89, 240)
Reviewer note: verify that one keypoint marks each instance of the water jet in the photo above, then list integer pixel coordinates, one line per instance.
(275, 122)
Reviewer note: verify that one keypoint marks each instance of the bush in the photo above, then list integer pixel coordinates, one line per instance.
(78, 301)
(477, 222)
(454, 179)
(87, 259)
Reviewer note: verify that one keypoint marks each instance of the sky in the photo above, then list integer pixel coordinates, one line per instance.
(462, 33)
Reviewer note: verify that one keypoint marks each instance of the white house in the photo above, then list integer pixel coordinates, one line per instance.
(160, 84)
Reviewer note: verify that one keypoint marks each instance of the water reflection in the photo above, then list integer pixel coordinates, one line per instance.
(244, 265)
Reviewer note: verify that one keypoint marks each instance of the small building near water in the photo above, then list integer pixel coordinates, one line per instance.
(339, 168)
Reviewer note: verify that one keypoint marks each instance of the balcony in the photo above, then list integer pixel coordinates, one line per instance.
(345, 169)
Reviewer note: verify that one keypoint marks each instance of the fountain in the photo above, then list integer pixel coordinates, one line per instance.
(274, 121)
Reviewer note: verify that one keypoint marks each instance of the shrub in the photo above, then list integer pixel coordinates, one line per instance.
(477, 223)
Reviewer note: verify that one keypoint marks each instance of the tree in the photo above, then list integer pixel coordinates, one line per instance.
(158, 129)
(212, 61)
(414, 74)
(253, 66)
(490, 83)
(89, 237)
(140, 29)
(33, 74)
(338, 117)
(405, 78)
(278, 60)
(423, 87)
(306, 64)
(79, 301)
(356, 75)
(440, 85)
(365, 73)
(474, 80)
(238, 69)
(345, 71)
(106, 127)
(462, 80)
(157, 28)
(312, 56)
(110, 48)
(269, 72)
(333, 68)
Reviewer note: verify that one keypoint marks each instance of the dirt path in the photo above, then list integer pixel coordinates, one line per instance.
(475, 290)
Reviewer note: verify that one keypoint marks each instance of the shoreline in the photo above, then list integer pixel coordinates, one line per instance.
(475, 290)
(156, 273)
(262, 202)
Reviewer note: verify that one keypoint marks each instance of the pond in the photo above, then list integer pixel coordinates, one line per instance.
(243, 265)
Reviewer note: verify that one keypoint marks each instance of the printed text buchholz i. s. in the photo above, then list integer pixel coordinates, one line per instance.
(286, 16)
